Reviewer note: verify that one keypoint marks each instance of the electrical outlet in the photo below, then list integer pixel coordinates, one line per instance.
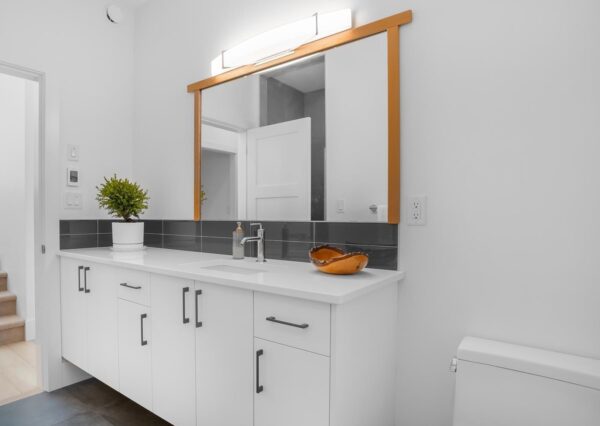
(417, 215)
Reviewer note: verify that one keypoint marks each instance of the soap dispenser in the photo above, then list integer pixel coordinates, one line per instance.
(238, 248)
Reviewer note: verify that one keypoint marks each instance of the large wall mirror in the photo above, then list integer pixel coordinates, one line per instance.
(311, 138)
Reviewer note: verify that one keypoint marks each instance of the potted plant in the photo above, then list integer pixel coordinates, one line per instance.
(125, 200)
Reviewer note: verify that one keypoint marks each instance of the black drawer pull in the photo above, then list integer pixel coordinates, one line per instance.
(185, 318)
(198, 323)
(259, 387)
(144, 342)
(291, 324)
(135, 287)
(79, 269)
(87, 290)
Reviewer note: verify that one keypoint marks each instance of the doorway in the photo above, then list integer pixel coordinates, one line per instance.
(20, 216)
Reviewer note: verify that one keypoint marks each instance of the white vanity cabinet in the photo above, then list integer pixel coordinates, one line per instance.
(201, 352)
(89, 318)
(173, 349)
(325, 364)
(291, 387)
(135, 352)
(197, 351)
(224, 361)
(292, 347)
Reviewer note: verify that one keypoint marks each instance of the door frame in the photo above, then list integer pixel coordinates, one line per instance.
(39, 206)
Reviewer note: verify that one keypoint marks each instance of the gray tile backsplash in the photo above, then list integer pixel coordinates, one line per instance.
(284, 240)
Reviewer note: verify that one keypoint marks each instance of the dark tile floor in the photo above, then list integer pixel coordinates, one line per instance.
(88, 403)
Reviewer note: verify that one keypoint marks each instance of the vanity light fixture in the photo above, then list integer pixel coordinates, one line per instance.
(282, 40)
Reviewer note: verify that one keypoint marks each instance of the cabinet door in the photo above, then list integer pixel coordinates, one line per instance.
(291, 386)
(73, 318)
(224, 363)
(173, 350)
(102, 326)
(135, 366)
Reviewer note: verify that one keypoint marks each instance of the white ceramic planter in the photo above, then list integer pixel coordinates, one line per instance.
(128, 236)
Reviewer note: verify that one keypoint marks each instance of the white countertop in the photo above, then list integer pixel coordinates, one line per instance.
(295, 279)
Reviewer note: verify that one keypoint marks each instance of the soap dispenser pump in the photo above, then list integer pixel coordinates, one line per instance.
(238, 248)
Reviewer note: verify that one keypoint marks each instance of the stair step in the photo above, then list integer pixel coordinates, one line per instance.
(11, 321)
(8, 303)
(7, 296)
(12, 329)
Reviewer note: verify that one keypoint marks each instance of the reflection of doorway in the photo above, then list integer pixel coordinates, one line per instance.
(223, 158)
(20, 366)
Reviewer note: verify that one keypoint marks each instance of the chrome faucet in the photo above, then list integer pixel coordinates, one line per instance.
(260, 241)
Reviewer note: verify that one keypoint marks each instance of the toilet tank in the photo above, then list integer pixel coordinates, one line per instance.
(500, 384)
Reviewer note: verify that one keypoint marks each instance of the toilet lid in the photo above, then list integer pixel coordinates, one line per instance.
(554, 365)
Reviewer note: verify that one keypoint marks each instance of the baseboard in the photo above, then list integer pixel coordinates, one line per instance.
(30, 329)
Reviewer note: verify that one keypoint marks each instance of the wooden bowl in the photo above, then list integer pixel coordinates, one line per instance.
(332, 260)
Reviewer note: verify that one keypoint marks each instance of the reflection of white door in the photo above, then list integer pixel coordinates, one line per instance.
(279, 171)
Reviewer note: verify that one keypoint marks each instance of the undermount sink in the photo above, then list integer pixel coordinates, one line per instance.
(232, 269)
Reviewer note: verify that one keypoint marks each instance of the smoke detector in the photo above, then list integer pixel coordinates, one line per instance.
(114, 14)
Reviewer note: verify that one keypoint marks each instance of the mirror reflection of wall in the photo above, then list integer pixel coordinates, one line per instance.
(302, 141)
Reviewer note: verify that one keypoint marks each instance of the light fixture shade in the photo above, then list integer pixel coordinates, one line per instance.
(282, 40)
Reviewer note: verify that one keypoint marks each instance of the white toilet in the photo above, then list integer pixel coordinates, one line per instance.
(500, 384)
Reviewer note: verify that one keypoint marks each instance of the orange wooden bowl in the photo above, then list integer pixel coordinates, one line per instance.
(335, 261)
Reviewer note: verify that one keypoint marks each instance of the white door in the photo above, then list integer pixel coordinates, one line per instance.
(135, 365)
(291, 386)
(102, 324)
(223, 319)
(173, 350)
(73, 317)
(279, 176)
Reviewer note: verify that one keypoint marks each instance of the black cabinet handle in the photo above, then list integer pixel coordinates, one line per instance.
(291, 324)
(259, 387)
(185, 290)
(198, 323)
(87, 290)
(79, 278)
(135, 287)
(144, 342)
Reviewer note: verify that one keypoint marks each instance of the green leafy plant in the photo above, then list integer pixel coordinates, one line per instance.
(202, 195)
(122, 198)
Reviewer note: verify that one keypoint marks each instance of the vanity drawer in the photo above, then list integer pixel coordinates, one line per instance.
(134, 286)
(294, 322)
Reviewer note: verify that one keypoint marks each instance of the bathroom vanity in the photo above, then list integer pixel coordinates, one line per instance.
(199, 338)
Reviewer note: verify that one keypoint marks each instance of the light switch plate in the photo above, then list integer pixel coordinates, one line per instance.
(73, 152)
(72, 200)
(417, 211)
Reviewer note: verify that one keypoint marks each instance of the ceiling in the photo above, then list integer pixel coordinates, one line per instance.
(305, 76)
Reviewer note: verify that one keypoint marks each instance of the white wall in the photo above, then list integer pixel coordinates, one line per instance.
(18, 136)
(88, 65)
(357, 134)
(500, 106)
(13, 189)
(223, 103)
(90, 62)
(32, 132)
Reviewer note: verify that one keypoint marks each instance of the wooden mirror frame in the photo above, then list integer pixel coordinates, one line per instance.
(391, 25)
